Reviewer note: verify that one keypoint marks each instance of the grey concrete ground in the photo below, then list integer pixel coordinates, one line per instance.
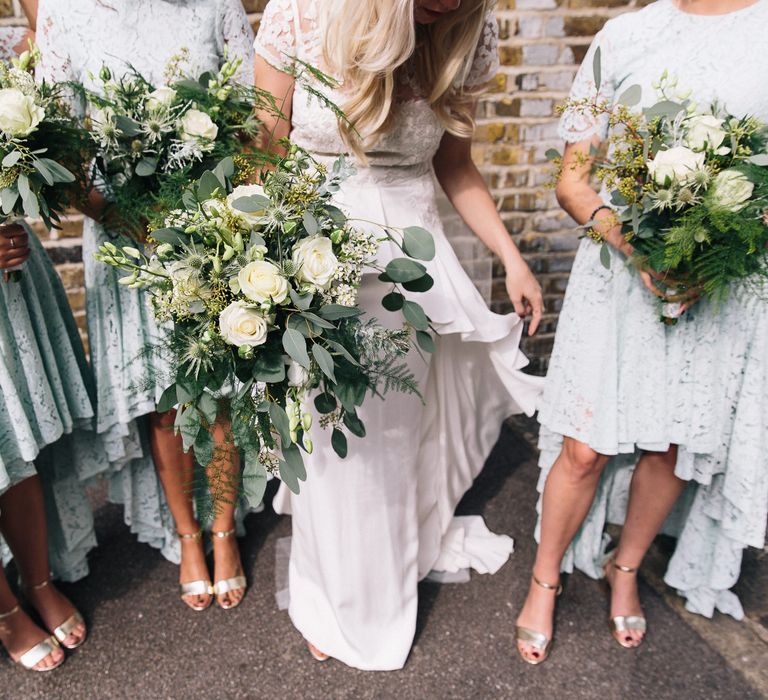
(145, 643)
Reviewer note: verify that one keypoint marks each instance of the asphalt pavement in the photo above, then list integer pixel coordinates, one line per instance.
(145, 643)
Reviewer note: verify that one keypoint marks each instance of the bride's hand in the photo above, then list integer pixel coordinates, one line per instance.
(14, 246)
(524, 292)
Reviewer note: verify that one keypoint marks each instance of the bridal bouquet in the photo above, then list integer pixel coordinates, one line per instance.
(690, 189)
(260, 283)
(152, 140)
(41, 145)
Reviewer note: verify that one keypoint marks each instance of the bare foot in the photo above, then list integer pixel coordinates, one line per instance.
(19, 635)
(226, 556)
(194, 568)
(55, 609)
(625, 601)
(537, 615)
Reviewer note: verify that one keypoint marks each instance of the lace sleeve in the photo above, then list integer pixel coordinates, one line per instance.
(10, 37)
(236, 36)
(578, 124)
(485, 63)
(276, 39)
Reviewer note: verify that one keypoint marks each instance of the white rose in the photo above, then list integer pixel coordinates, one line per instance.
(731, 190)
(261, 281)
(674, 165)
(240, 324)
(161, 97)
(297, 375)
(198, 125)
(19, 115)
(705, 132)
(316, 262)
(249, 217)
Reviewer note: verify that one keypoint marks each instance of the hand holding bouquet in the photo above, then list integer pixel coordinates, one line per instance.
(261, 283)
(690, 190)
(42, 148)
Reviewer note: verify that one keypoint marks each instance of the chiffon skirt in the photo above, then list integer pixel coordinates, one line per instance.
(47, 409)
(367, 528)
(621, 381)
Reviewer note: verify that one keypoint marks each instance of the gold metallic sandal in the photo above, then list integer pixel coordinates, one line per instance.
(538, 640)
(199, 587)
(623, 623)
(230, 584)
(66, 628)
(42, 650)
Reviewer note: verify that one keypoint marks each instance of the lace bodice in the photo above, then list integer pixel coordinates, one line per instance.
(289, 30)
(77, 36)
(723, 58)
(9, 37)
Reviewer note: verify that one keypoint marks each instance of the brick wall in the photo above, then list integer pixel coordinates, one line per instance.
(542, 43)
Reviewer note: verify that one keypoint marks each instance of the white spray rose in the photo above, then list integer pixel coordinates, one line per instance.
(261, 281)
(249, 217)
(731, 190)
(240, 324)
(161, 97)
(298, 376)
(19, 115)
(675, 165)
(198, 125)
(705, 131)
(316, 262)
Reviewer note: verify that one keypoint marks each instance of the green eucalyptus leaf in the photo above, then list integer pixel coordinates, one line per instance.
(59, 172)
(269, 367)
(338, 347)
(631, 96)
(418, 243)
(9, 196)
(597, 72)
(254, 480)
(208, 406)
(314, 318)
(11, 159)
(325, 403)
(294, 461)
(426, 341)
(415, 315)
(404, 270)
(423, 284)
(296, 346)
(280, 420)
(288, 477)
(324, 361)
(146, 167)
(251, 204)
(334, 312)
(204, 448)
(46, 174)
(339, 443)
(208, 185)
(310, 223)
(605, 256)
(127, 126)
(355, 425)
(302, 301)
(167, 399)
(393, 301)
(552, 154)
(188, 426)
(173, 236)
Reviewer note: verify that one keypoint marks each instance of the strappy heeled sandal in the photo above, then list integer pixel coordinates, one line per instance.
(66, 628)
(538, 640)
(235, 583)
(621, 624)
(199, 587)
(317, 655)
(42, 650)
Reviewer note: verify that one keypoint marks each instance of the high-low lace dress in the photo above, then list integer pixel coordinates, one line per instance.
(620, 380)
(367, 528)
(76, 38)
(47, 401)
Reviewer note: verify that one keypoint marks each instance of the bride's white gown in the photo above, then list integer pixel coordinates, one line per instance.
(367, 528)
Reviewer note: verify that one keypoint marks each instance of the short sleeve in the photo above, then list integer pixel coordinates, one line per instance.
(236, 37)
(10, 37)
(56, 62)
(580, 124)
(485, 62)
(276, 38)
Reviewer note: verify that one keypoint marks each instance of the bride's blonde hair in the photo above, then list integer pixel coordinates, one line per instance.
(366, 44)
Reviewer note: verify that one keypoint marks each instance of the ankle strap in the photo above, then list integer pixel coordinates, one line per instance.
(12, 611)
(223, 533)
(39, 586)
(190, 536)
(557, 587)
(625, 569)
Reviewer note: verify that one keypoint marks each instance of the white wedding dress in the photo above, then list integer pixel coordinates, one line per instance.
(367, 528)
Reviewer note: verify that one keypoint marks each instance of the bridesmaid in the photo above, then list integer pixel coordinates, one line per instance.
(76, 37)
(684, 405)
(367, 528)
(46, 447)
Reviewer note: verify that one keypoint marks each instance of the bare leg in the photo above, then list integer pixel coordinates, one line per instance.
(176, 471)
(224, 479)
(653, 493)
(568, 496)
(22, 522)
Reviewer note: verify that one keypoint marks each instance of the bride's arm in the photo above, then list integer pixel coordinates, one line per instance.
(280, 85)
(467, 191)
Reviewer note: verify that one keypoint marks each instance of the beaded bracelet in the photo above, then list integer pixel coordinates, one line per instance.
(592, 233)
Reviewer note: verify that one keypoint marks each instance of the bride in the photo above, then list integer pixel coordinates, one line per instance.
(367, 528)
